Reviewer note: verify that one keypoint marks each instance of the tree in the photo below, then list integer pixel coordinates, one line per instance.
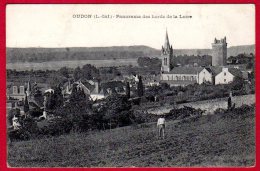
(115, 107)
(140, 88)
(89, 72)
(77, 74)
(127, 90)
(64, 71)
(237, 83)
(56, 79)
(26, 105)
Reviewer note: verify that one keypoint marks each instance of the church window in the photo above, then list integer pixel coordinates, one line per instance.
(225, 73)
(15, 90)
(21, 89)
(225, 80)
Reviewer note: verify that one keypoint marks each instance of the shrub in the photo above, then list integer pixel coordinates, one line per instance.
(184, 112)
(55, 126)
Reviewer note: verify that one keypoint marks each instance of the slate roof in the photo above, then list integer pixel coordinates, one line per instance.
(179, 82)
(214, 70)
(235, 72)
(185, 70)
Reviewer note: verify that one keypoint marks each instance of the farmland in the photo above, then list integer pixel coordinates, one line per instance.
(210, 140)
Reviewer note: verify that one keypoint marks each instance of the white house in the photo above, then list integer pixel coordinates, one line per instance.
(227, 75)
(205, 76)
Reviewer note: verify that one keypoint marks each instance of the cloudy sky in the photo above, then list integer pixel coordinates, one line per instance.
(57, 26)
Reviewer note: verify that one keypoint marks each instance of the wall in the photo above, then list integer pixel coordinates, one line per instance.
(204, 75)
(221, 78)
(219, 54)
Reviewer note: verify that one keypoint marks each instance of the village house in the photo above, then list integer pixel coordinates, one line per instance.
(227, 75)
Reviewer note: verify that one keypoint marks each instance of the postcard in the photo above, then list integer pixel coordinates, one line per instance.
(130, 85)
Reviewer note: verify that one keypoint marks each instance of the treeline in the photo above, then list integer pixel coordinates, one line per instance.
(248, 59)
(192, 60)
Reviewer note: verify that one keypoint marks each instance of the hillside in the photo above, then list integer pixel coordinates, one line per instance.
(211, 140)
(99, 53)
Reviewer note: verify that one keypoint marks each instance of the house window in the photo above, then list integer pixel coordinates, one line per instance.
(21, 89)
(15, 90)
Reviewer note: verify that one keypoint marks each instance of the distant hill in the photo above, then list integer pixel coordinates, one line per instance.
(235, 50)
(99, 53)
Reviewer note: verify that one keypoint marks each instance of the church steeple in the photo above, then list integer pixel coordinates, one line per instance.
(167, 42)
(167, 55)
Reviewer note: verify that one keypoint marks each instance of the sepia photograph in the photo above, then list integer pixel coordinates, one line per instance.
(130, 85)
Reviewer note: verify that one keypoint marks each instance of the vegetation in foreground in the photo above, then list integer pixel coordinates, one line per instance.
(224, 139)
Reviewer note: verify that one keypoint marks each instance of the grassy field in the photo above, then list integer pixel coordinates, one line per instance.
(211, 140)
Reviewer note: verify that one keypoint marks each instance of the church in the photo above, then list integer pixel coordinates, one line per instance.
(218, 73)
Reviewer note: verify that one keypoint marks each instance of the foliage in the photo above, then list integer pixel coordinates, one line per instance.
(89, 72)
(26, 105)
(140, 87)
(128, 90)
(204, 60)
(149, 62)
(77, 74)
(116, 111)
(64, 71)
(55, 126)
(184, 112)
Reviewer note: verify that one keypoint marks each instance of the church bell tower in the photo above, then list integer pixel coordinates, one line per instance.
(166, 55)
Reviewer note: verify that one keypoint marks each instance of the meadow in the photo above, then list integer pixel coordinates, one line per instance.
(223, 139)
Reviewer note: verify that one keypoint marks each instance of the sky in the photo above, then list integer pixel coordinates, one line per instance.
(58, 25)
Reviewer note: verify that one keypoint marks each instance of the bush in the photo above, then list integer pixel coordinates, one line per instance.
(55, 126)
(243, 111)
(184, 112)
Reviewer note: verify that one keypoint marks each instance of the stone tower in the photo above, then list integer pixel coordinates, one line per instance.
(166, 55)
(219, 52)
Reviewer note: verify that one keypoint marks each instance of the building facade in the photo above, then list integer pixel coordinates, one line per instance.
(227, 75)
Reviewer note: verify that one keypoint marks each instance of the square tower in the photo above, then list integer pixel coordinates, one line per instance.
(219, 52)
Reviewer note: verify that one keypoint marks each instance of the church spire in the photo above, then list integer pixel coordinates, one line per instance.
(166, 43)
